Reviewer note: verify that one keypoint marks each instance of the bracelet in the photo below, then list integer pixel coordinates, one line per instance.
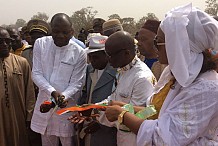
(120, 117)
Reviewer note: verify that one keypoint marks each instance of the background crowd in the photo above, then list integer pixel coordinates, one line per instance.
(166, 73)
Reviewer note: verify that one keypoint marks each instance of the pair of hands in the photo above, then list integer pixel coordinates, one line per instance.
(112, 112)
(59, 99)
(80, 117)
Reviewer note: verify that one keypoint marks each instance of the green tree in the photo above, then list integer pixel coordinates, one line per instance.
(128, 24)
(83, 19)
(20, 23)
(115, 16)
(211, 7)
(41, 15)
(142, 20)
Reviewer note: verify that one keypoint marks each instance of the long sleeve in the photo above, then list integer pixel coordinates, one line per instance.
(77, 78)
(190, 119)
(29, 91)
(37, 71)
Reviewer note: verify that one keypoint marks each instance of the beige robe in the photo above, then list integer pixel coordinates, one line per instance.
(21, 101)
(157, 69)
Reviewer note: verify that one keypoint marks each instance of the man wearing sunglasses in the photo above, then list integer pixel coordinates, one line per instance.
(17, 95)
(135, 79)
(134, 83)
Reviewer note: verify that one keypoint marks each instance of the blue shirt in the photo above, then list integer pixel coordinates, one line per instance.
(80, 43)
(149, 62)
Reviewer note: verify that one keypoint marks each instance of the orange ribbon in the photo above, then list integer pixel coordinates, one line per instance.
(80, 108)
(46, 102)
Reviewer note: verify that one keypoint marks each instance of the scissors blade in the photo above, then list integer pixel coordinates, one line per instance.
(55, 108)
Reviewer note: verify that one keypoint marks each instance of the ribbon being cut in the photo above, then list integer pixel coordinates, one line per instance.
(143, 114)
(100, 105)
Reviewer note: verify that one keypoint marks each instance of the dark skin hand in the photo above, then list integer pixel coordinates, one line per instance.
(59, 99)
(80, 117)
(112, 113)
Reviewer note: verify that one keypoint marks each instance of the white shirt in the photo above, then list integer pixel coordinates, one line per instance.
(61, 69)
(188, 117)
(95, 76)
(135, 85)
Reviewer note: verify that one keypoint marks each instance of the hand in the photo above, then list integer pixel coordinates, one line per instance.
(44, 108)
(78, 118)
(86, 113)
(61, 102)
(113, 102)
(56, 96)
(59, 99)
(112, 112)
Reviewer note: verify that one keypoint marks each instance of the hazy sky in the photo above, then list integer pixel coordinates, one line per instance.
(11, 10)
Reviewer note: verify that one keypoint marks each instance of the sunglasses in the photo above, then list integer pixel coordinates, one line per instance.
(5, 40)
(156, 44)
(115, 53)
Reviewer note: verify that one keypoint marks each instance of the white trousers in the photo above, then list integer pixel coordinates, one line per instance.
(51, 140)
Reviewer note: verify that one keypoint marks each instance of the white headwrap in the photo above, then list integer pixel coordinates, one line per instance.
(188, 32)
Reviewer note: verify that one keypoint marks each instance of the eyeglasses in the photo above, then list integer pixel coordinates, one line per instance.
(114, 53)
(6, 40)
(156, 44)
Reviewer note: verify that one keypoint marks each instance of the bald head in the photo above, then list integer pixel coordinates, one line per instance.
(121, 39)
(61, 27)
(120, 49)
(61, 17)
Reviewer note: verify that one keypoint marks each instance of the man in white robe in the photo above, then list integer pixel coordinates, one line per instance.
(58, 70)
(135, 82)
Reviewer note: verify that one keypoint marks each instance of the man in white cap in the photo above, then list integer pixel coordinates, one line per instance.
(100, 82)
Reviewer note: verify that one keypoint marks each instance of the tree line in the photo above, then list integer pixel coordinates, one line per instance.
(83, 18)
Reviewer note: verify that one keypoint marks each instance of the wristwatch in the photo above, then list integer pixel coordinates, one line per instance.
(120, 117)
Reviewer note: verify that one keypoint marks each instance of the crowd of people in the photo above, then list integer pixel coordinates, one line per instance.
(159, 87)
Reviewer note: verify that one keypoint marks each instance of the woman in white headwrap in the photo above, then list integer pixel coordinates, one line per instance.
(189, 114)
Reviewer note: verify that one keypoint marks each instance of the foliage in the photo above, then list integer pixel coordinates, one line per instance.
(41, 15)
(115, 16)
(83, 19)
(211, 7)
(4, 25)
(142, 20)
(128, 24)
(20, 23)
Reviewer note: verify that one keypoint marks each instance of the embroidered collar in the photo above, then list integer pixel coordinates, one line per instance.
(128, 66)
